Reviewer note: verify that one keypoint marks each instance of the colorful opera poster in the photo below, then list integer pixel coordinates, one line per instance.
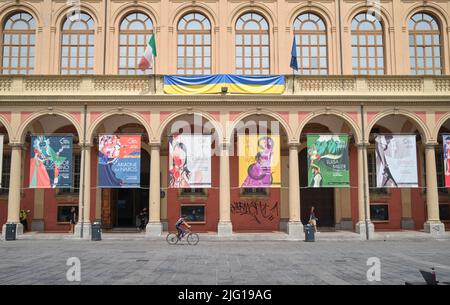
(1, 159)
(396, 160)
(446, 141)
(328, 161)
(259, 161)
(189, 161)
(51, 161)
(119, 161)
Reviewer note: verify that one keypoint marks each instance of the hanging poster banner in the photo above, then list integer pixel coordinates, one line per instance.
(1, 159)
(396, 160)
(119, 161)
(328, 161)
(189, 161)
(259, 161)
(51, 161)
(446, 142)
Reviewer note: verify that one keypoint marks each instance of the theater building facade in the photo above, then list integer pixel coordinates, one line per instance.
(358, 75)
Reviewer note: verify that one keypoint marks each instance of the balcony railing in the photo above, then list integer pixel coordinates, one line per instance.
(153, 85)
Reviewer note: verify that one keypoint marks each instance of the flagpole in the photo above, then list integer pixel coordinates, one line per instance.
(293, 81)
(154, 74)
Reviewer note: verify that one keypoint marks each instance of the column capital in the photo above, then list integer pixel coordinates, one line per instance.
(224, 146)
(430, 145)
(86, 146)
(155, 145)
(362, 145)
(294, 145)
(17, 146)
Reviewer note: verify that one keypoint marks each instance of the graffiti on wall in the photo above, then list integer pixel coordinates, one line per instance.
(259, 211)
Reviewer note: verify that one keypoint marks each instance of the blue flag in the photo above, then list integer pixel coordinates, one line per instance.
(294, 63)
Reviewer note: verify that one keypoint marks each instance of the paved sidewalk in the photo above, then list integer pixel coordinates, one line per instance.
(227, 262)
(269, 236)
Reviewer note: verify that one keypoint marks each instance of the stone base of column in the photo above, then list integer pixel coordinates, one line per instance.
(345, 224)
(407, 224)
(361, 229)
(224, 229)
(283, 224)
(295, 230)
(153, 229)
(86, 230)
(165, 225)
(37, 225)
(434, 228)
(19, 230)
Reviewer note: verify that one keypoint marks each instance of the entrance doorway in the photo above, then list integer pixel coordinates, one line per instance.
(321, 198)
(127, 204)
(121, 206)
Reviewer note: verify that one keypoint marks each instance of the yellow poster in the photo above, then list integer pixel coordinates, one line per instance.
(259, 161)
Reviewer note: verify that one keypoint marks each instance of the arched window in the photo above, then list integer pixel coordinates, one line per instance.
(194, 45)
(17, 44)
(424, 45)
(77, 47)
(311, 39)
(252, 45)
(135, 30)
(367, 45)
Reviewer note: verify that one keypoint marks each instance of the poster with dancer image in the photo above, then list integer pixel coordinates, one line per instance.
(396, 160)
(189, 161)
(119, 161)
(51, 161)
(446, 142)
(328, 158)
(259, 161)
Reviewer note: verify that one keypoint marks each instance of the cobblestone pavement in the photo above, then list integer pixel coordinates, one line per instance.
(226, 262)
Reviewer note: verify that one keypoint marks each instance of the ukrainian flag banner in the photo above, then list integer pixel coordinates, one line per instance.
(236, 84)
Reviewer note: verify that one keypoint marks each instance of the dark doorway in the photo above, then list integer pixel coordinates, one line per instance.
(127, 203)
(321, 198)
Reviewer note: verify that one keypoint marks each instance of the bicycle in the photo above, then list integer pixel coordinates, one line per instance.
(174, 238)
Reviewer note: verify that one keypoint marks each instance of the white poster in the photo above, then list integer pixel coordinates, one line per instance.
(1, 159)
(396, 160)
(190, 161)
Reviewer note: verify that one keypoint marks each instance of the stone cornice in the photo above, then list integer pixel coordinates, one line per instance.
(130, 100)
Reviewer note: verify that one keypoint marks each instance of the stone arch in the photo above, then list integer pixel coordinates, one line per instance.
(421, 126)
(84, 7)
(259, 8)
(435, 10)
(439, 124)
(386, 18)
(4, 122)
(314, 8)
(198, 7)
(20, 136)
(93, 127)
(342, 115)
(179, 113)
(265, 112)
(10, 8)
(128, 8)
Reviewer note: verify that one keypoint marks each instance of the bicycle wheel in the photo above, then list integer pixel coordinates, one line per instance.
(192, 239)
(172, 238)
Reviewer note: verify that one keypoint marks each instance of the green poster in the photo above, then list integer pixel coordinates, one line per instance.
(328, 164)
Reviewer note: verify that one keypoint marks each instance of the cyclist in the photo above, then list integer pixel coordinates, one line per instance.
(179, 225)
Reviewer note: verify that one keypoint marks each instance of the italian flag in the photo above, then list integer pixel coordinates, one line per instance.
(146, 61)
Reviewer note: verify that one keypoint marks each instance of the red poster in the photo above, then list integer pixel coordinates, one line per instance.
(446, 141)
